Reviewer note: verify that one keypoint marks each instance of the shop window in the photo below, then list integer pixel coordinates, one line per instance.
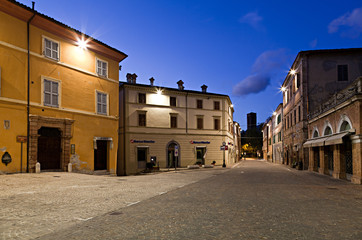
(51, 48)
(102, 103)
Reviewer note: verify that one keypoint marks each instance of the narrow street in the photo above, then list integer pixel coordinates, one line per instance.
(254, 200)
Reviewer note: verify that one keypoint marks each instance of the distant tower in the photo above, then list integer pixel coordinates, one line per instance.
(251, 118)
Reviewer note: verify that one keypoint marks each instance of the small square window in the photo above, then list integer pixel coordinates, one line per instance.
(101, 103)
(173, 101)
(51, 49)
(102, 68)
(141, 98)
(142, 119)
(199, 103)
(216, 105)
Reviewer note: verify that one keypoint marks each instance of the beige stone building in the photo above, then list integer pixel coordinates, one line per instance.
(315, 76)
(335, 135)
(172, 126)
(277, 139)
(267, 140)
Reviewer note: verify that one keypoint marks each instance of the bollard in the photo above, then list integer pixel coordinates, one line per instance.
(37, 167)
(70, 167)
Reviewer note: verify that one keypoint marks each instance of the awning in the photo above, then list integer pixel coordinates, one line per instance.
(335, 139)
(327, 140)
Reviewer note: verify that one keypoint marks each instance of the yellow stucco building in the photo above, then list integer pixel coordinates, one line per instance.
(58, 96)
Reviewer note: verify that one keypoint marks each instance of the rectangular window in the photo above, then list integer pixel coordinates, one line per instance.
(51, 93)
(199, 103)
(51, 49)
(173, 121)
(299, 116)
(295, 116)
(217, 124)
(141, 98)
(279, 136)
(342, 72)
(173, 101)
(142, 119)
(216, 105)
(102, 68)
(279, 118)
(200, 123)
(297, 81)
(101, 103)
(274, 139)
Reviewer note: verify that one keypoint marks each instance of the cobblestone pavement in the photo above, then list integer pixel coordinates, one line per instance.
(254, 200)
(33, 205)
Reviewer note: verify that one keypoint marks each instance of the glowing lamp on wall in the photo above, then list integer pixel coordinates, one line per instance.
(293, 72)
(83, 44)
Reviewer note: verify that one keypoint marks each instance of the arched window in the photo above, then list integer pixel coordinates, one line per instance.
(327, 131)
(315, 134)
(345, 126)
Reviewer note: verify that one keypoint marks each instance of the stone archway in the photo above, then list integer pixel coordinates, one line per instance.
(170, 151)
(63, 125)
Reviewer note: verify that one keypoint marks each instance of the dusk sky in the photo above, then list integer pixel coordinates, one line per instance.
(240, 48)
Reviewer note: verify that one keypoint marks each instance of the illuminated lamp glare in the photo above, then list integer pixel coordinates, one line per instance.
(82, 43)
(293, 72)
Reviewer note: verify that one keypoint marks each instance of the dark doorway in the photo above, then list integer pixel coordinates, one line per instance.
(49, 150)
(328, 153)
(348, 160)
(100, 155)
(142, 157)
(200, 153)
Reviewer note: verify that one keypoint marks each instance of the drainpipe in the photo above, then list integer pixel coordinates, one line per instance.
(28, 89)
(124, 130)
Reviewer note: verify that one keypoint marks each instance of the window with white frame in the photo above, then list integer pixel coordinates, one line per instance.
(101, 103)
(102, 68)
(51, 48)
(51, 93)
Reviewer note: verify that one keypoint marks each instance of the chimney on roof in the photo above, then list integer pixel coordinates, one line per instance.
(180, 85)
(131, 78)
(204, 88)
(151, 81)
(33, 5)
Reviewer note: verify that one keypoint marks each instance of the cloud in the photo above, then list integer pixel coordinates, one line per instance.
(253, 19)
(351, 24)
(266, 66)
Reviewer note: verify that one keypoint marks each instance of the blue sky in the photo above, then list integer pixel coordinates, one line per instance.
(240, 48)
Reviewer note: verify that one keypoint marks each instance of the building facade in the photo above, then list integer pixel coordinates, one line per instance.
(58, 95)
(267, 140)
(173, 127)
(335, 135)
(315, 76)
(277, 129)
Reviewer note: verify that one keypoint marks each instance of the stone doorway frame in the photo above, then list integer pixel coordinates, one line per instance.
(65, 127)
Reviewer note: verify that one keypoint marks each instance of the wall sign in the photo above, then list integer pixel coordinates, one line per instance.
(21, 139)
(199, 142)
(142, 141)
(6, 158)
